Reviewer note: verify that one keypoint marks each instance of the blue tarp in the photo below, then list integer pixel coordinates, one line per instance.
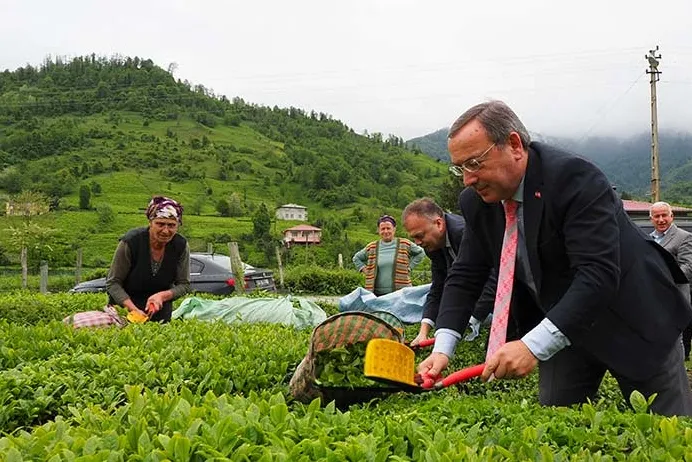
(406, 304)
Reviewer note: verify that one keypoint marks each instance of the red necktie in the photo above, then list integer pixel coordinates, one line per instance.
(505, 280)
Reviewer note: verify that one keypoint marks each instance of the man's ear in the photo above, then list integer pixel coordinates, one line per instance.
(515, 142)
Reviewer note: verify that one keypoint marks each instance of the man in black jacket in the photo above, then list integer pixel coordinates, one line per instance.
(439, 234)
(590, 291)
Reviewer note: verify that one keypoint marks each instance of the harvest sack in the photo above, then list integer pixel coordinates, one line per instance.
(341, 330)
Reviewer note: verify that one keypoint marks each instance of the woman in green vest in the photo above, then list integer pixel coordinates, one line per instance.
(388, 261)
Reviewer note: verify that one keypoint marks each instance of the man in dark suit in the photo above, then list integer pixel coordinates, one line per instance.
(590, 293)
(679, 243)
(439, 233)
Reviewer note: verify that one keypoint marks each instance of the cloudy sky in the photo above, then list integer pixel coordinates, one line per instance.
(392, 66)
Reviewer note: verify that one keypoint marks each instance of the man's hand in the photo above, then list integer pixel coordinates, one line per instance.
(422, 334)
(433, 365)
(513, 359)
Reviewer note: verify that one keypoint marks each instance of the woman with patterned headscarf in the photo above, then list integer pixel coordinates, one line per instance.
(151, 266)
(388, 261)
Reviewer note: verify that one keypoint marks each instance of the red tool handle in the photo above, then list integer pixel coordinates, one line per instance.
(455, 377)
(461, 376)
(425, 343)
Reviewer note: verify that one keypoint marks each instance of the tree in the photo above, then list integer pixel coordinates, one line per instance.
(448, 193)
(196, 207)
(261, 223)
(12, 181)
(105, 214)
(223, 208)
(84, 197)
(235, 207)
(28, 235)
(95, 188)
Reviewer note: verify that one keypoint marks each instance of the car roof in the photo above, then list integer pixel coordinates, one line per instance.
(224, 261)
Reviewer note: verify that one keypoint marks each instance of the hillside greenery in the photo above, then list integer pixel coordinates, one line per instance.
(99, 136)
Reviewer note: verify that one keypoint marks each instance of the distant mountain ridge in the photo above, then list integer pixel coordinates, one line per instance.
(626, 161)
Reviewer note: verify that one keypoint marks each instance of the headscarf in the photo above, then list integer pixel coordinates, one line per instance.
(388, 218)
(164, 207)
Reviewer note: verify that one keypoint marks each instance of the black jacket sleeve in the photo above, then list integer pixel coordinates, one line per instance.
(486, 302)
(439, 274)
(467, 277)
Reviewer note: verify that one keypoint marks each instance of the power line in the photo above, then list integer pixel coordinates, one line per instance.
(606, 108)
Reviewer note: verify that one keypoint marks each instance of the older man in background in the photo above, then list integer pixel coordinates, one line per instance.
(678, 242)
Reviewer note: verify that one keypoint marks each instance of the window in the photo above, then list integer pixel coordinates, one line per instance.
(195, 266)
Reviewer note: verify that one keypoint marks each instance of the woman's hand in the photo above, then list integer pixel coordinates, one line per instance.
(155, 302)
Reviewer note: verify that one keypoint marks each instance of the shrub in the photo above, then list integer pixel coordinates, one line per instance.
(317, 280)
(29, 308)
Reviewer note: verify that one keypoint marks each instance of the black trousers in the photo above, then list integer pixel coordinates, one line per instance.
(572, 375)
(687, 339)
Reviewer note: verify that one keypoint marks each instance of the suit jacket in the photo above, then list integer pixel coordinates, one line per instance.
(601, 280)
(679, 243)
(441, 261)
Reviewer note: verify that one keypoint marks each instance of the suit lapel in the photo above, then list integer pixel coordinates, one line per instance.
(533, 213)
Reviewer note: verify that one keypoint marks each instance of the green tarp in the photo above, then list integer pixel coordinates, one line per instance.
(291, 311)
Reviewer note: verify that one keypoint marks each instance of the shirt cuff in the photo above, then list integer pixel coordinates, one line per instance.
(445, 341)
(545, 340)
(429, 322)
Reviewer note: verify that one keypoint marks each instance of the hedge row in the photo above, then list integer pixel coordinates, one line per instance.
(316, 280)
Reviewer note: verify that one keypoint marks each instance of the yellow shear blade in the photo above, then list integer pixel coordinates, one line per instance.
(390, 360)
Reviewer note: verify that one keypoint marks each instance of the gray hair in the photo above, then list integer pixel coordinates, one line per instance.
(661, 204)
(424, 207)
(497, 119)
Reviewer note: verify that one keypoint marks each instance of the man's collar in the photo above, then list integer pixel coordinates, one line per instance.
(659, 234)
(519, 193)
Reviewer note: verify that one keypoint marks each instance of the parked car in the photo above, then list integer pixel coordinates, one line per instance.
(209, 273)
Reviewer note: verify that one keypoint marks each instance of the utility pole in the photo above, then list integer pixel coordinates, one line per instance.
(653, 58)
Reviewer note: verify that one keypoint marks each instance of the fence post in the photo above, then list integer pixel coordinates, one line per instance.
(341, 261)
(281, 267)
(43, 286)
(25, 268)
(237, 267)
(210, 247)
(78, 269)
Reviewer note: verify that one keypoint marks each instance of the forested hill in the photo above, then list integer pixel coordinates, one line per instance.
(626, 161)
(65, 124)
(433, 144)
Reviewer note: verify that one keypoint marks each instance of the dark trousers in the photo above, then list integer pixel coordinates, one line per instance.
(164, 314)
(573, 375)
(687, 339)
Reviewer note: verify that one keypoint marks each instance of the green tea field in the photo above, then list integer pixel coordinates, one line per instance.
(210, 391)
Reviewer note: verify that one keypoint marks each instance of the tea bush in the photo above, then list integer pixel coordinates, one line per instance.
(316, 280)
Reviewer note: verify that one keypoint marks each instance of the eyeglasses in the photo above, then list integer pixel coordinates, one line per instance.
(471, 165)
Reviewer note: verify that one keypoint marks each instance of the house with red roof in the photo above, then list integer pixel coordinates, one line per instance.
(302, 234)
